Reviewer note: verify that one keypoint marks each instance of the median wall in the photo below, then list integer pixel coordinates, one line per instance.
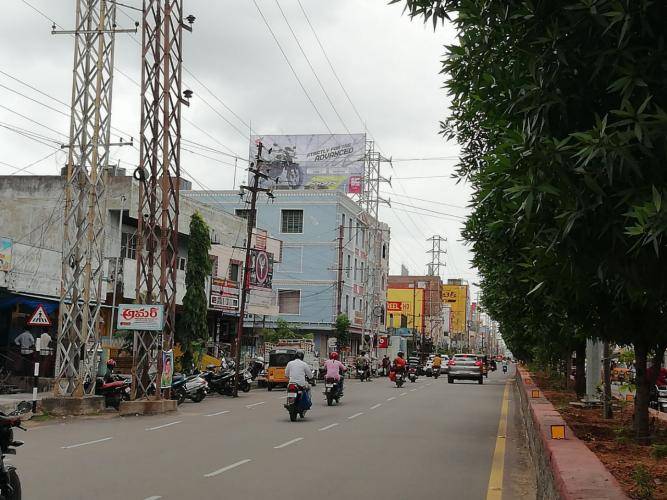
(566, 469)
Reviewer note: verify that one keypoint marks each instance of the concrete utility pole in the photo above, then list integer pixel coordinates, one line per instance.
(85, 197)
(339, 280)
(159, 174)
(255, 170)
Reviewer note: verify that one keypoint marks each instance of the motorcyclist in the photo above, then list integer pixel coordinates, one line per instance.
(437, 362)
(364, 363)
(334, 368)
(299, 372)
(399, 362)
(108, 376)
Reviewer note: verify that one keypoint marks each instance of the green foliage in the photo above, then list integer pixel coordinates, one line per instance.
(659, 451)
(284, 330)
(643, 482)
(343, 330)
(192, 328)
(559, 110)
(627, 356)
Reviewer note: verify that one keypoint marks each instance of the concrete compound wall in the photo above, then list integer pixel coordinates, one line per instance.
(565, 469)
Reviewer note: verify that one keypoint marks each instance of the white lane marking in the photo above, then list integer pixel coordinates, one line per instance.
(403, 394)
(153, 498)
(229, 467)
(292, 441)
(376, 406)
(255, 404)
(428, 385)
(84, 444)
(391, 398)
(328, 427)
(217, 413)
(163, 426)
(411, 390)
(355, 415)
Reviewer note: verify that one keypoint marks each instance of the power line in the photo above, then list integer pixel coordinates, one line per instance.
(393, 193)
(317, 78)
(292, 67)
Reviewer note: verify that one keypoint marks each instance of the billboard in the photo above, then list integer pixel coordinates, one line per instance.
(261, 269)
(6, 246)
(456, 297)
(321, 161)
(408, 303)
(149, 317)
(224, 296)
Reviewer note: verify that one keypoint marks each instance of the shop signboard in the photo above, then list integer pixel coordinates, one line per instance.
(224, 295)
(148, 317)
(261, 269)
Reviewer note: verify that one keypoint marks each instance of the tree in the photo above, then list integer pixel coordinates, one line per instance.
(192, 329)
(342, 329)
(283, 331)
(559, 109)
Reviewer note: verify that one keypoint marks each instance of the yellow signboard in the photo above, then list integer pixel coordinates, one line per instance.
(405, 303)
(456, 296)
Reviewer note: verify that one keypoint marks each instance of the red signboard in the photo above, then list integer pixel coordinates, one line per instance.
(383, 342)
(394, 306)
(354, 184)
(39, 317)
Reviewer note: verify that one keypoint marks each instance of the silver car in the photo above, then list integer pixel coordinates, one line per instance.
(465, 367)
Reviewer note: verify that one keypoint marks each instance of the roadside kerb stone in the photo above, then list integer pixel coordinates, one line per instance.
(566, 469)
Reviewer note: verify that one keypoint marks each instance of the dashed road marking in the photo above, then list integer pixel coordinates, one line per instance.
(163, 426)
(376, 406)
(255, 404)
(217, 413)
(153, 498)
(85, 444)
(355, 415)
(391, 398)
(292, 441)
(229, 467)
(411, 390)
(403, 394)
(328, 427)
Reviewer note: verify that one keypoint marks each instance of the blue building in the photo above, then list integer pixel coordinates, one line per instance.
(335, 259)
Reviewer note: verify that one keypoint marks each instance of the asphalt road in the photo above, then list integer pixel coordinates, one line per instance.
(427, 440)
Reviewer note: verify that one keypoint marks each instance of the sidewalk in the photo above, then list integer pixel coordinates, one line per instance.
(8, 402)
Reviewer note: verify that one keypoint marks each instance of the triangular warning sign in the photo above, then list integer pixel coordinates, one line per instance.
(39, 317)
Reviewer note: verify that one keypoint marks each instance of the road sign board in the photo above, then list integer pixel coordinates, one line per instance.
(39, 317)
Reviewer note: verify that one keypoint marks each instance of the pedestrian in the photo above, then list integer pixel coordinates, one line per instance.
(25, 342)
(385, 365)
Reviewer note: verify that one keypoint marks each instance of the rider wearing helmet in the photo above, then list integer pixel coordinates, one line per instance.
(399, 362)
(334, 368)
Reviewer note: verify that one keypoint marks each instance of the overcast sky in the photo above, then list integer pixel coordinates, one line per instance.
(388, 65)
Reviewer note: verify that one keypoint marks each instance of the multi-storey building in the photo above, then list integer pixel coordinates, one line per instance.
(335, 259)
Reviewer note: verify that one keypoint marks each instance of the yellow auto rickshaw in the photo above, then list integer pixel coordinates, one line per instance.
(278, 359)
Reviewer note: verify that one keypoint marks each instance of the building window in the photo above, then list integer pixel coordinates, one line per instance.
(348, 269)
(343, 221)
(356, 235)
(289, 301)
(349, 231)
(234, 268)
(384, 251)
(354, 303)
(362, 271)
(292, 221)
(182, 263)
(363, 237)
(347, 305)
(128, 246)
(355, 269)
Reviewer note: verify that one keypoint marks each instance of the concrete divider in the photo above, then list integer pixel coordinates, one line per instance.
(566, 469)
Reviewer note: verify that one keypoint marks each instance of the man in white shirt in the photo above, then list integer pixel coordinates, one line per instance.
(44, 341)
(298, 371)
(25, 341)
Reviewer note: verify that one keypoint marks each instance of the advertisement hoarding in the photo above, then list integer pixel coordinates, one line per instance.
(149, 317)
(224, 296)
(6, 246)
(320, 162)
(261, 269)
(402, 302)
(456, 297)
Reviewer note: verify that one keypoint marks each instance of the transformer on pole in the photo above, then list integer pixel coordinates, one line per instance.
(85, 197)
(158, 174)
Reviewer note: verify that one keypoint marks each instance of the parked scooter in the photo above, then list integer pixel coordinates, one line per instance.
(298, 401)
(191, 387)
(10, 484)
(332, 391)
(658, 398)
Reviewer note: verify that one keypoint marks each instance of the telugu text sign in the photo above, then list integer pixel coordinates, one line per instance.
(224, 295)
(149, 317)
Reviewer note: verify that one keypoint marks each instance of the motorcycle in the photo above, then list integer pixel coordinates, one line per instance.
(399, 379)
(412, 374)
(332, 391)
(114, 389)
(658, 398)
(282, 168)
(504, 368)
(436, 371)
(10, 484)
(363, 373)
(193, 387)
(298, 401)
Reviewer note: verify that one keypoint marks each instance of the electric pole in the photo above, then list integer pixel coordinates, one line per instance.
(159, 175)
(255, 170)
(85, 211)
(436, 251)
(339, 280)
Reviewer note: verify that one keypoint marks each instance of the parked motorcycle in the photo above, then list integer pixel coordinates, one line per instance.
(114, 388)
(10, 484)
(332, 391)
(298, 401)
(658, 398)
(412, 374)
(191, 387)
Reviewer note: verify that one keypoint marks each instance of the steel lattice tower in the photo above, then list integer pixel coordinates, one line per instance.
(85, 206)
(436, 251)
(159, 177)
